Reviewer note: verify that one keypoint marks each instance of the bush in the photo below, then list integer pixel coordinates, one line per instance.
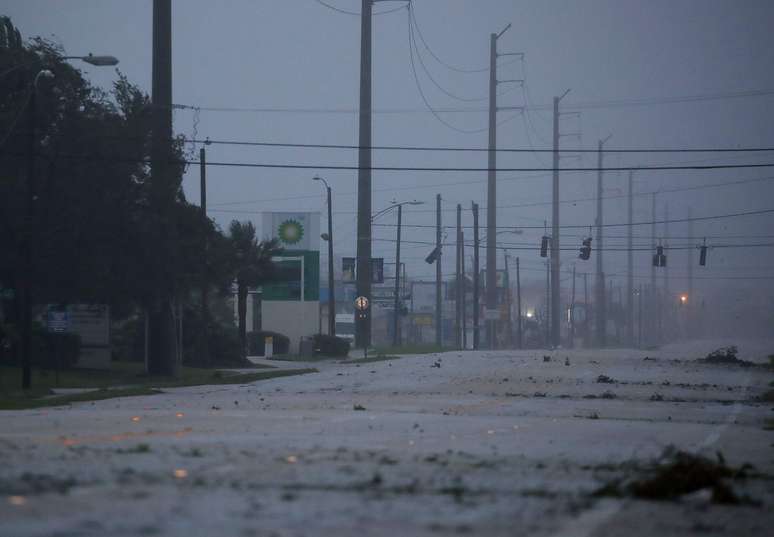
(256, 343)
(331, 345)
(52, 348)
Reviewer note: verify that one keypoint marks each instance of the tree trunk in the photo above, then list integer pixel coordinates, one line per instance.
(162, 358)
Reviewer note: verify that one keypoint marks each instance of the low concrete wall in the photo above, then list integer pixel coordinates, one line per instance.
(292, 318)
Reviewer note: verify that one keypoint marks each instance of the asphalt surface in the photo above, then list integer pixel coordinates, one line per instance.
(459, 443)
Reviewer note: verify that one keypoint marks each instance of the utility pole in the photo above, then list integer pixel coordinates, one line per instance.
(438, 297)
(508, 315)
(363, 323)
(464, 293)
(689, 305)
(476, 282)
(585, 309)
(667, 303)
(396, 316)
(205, 305)
(655, 308)
(458, 284)
(572, 310)
(162, 359)
(548, 304)
(518, 306)
(600, 300)
(491, 196)
(630, 266)
(639, 318)
(556, 326)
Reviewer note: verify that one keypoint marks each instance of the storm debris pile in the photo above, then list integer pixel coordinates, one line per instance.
(676, 474)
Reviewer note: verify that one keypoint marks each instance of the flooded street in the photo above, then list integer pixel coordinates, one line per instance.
(481, 443)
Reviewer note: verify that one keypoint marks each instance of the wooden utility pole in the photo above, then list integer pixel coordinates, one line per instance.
(600, 318)
(363, 283)
(464, 293)
(205, 305)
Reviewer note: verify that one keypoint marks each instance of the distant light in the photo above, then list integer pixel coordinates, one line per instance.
(18, 501)
(683, 298)
(292, 459)
(179, 415)
(530, 314)
(135, 418)
(180, 473)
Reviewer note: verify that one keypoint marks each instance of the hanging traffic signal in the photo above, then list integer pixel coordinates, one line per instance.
(659, 259)
(703, 253)
(585, 250)
(544, 247)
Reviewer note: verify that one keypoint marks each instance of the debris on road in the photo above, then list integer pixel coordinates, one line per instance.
(678, 473)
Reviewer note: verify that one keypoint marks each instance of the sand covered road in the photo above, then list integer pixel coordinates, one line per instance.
(479, 443)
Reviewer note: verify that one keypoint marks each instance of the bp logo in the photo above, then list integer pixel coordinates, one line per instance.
(290, 231)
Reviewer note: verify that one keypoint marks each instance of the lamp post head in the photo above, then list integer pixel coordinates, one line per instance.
(100, 61)
(325, 237)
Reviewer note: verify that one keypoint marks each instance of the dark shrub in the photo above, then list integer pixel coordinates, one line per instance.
(331, 345)
(48, 348)
(256, 343)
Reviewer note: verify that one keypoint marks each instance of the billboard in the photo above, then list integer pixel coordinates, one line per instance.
(295, 230)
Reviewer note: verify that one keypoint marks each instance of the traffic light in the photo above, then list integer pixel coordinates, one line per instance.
(659, 259)
(585, 250)
(702, 255)
(544, 247)
(433, 256)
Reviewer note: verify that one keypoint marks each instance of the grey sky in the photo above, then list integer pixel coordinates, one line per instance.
(300, 54)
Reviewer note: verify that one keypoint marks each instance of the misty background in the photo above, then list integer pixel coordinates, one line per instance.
(662, 74)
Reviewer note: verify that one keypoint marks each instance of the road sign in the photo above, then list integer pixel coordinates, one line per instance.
(57, 320)
(361, 303)
(492, 314)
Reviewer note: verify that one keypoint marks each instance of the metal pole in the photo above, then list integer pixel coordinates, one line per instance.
(689, 304)
(555, 298)
(585, 309)
(491, 198)
(476, 274)
(363, 322)
(396, 317)
(464, 293)
(667, 301)
(438, 297)
(548, 304)
(630, 266)
(601, 310)
(655, 308)
(331, 282)
(639, 318)
(572, 316)
(508, 315)
(205, 306)
(519, 343)
(458, 283)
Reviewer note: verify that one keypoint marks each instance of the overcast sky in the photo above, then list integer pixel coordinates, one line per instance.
(302, 59)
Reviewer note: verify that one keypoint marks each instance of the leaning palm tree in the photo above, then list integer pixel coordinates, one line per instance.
(252, 267)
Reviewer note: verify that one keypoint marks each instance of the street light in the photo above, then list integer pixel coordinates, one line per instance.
(99, 61)
(395, 317)
(329, 238)
(31, 196)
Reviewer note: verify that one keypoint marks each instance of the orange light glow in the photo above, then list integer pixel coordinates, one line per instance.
(17, 500)
(180, 473)
(135, 418)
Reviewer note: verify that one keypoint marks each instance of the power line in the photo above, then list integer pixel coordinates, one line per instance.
(573, 226)
(586, 104)
(409, 168)
(473, 149)
(355, 13)
(435, 56)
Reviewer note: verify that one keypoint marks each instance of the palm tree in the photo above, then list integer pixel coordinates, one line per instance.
(252, 267)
